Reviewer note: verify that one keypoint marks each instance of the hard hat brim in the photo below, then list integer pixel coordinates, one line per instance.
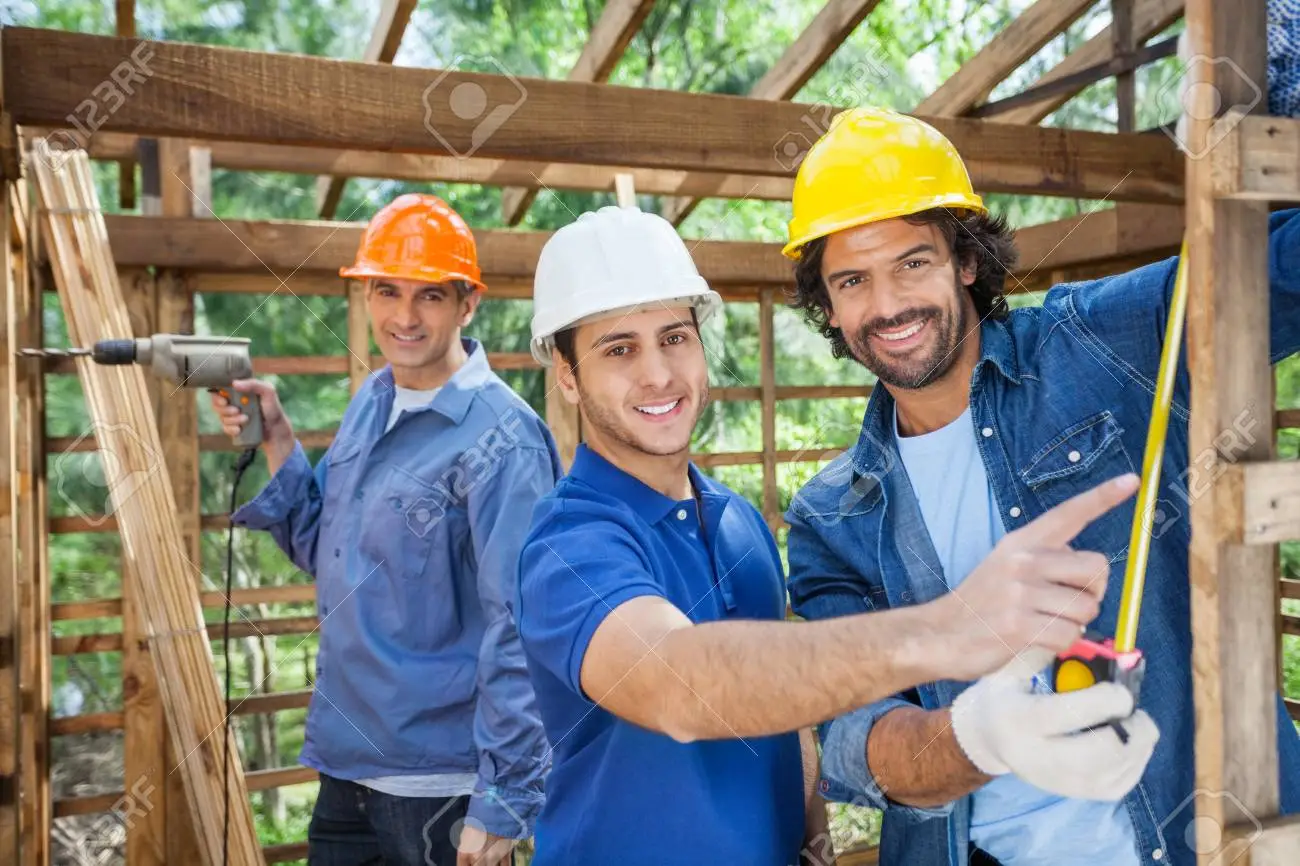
(868, 213)
(704, 303)
(428, 275)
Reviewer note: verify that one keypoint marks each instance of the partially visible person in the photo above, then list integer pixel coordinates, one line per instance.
(423, 722)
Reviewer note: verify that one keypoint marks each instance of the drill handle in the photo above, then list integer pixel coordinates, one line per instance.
(250, 435)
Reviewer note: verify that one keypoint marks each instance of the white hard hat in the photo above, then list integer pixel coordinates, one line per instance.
(613, 259)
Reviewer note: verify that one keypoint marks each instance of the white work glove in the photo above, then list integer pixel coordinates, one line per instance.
(1004, 727)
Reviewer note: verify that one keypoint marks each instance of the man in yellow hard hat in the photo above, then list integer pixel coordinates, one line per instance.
(983, 418)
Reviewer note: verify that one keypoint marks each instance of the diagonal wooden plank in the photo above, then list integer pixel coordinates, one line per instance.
(819, 40)
(394, 15)
(1020, 40)
(619, 21)
(1150, 17)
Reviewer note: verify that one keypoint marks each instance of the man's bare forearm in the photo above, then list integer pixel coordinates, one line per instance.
(915, 759)
(750, 678)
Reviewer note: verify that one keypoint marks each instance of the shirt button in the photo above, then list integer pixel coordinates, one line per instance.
(336, 552)
(681, 514)
(1015, 511)
(1157, 854)
(987, 431)
(1073, 456)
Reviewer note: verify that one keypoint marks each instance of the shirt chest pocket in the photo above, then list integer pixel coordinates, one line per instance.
(1079, 458)
(409, 519)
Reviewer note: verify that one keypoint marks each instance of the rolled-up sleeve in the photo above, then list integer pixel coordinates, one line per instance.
(289, 508)
(823, 586)
(508, 730)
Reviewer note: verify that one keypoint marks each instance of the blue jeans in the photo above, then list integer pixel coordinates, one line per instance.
(353, 825)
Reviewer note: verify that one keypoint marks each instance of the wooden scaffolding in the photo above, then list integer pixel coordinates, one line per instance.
(202, 107)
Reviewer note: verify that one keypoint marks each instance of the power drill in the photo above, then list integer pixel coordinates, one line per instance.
(188, 361)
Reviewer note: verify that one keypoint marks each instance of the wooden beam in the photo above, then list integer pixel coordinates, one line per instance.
(1255, 842)
(1150, 17)
(91, 723)
(1102, 236)
(1005, 52)
(239, 628)
(1257, 158)
(359, 356)
(425, 168)
(237, 95)
(1233, 588)
(619, 21)
(833, 24)
(288, 247)
(103, 608)
(1268, 511)
(394, 15)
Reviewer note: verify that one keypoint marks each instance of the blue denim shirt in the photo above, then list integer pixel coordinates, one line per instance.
(1060, 401)
(413, 537)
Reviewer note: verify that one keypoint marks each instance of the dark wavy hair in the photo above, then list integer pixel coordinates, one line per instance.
(985, 241)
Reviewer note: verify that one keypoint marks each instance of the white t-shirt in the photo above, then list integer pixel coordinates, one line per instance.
(1012, 820)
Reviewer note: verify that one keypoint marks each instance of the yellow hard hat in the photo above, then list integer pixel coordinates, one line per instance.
(875, 164)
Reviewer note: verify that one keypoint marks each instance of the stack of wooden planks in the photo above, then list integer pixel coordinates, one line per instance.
(140, 489)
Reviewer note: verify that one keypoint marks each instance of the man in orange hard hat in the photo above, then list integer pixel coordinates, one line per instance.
(423, 722)
(983, 419)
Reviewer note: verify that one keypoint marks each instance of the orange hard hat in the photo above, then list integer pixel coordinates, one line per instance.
(417, 237)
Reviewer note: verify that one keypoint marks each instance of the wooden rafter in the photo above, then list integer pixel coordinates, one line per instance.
(827, 32)
(222, 94)
(1091, 240)
(619, 21)
(125, 26)
(1020, 40)
(394, 15)
(1150, 17)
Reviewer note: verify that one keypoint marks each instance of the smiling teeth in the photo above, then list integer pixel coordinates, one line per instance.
(658, 410)
(902, 335)
(402, 339)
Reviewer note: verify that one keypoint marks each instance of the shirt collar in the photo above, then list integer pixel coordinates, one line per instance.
(454, 398)
(650, 505)
(876, 450)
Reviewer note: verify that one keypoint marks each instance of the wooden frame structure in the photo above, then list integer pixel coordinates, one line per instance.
(244, 111)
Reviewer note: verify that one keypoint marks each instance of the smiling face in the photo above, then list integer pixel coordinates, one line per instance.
(416, 325)
(641, 380)
(901, 303)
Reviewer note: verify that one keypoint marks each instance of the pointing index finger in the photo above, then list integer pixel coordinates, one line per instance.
(1058, 527)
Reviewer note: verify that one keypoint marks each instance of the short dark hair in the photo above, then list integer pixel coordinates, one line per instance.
(974, 238)
(565, 345)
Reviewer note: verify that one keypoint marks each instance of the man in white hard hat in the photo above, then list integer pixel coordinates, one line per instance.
(652, 598)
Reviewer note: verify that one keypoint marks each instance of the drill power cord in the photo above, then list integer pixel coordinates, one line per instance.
(246, 458)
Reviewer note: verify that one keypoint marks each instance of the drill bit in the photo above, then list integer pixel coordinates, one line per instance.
(52, 353)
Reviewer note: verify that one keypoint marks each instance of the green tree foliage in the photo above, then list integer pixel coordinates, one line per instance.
(898, 55)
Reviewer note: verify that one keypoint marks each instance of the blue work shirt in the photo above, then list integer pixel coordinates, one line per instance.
(1060, 400)
(413, 537)
(619, 793)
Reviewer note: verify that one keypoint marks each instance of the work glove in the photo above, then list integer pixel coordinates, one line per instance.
(1003, 726)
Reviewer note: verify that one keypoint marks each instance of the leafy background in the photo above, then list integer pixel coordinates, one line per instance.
(719, 46)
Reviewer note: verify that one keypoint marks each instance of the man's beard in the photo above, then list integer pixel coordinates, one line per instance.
(612, 426)
(927, 367)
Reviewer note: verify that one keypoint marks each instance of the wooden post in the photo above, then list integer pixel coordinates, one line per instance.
(358, 335)
(1121, 13)
(767, 380)
(144, 724)
(34, 587)
(179, 433)
(1234, 588)
(9, 692)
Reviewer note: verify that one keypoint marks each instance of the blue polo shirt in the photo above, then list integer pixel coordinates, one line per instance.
(618, 793)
